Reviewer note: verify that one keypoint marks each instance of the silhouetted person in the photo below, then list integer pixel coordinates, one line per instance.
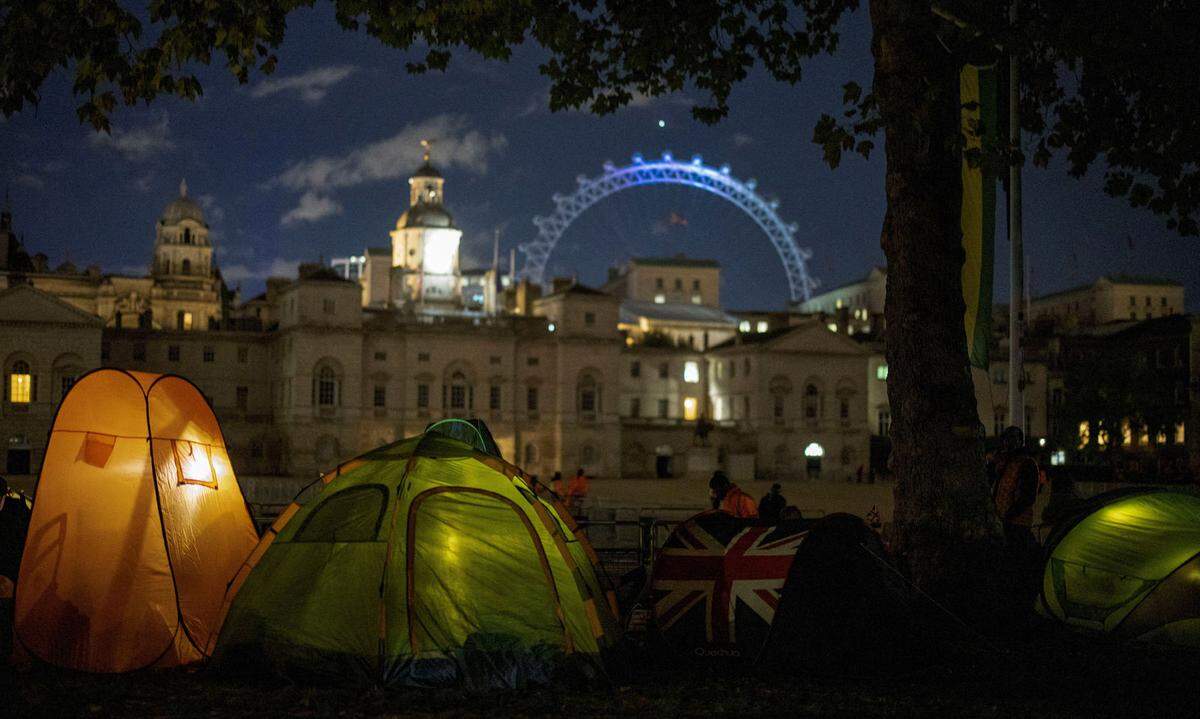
(728, 497)
(772, 504)
(557, 484)
(1016, 476)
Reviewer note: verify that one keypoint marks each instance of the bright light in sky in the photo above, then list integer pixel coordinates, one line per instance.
(662, 123)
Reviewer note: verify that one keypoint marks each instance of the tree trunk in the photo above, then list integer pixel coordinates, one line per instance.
(946, 527)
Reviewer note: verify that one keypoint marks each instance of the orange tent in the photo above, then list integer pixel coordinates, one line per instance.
(138, 526)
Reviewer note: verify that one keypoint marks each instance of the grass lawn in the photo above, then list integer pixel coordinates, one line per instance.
(1057, 674)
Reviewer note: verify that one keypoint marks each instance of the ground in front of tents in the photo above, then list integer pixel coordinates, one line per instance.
(1056, 675)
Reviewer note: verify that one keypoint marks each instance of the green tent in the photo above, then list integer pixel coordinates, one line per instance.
(1129, 567)
(429, 561)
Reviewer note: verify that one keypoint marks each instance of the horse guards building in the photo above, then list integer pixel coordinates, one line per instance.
(645, 376)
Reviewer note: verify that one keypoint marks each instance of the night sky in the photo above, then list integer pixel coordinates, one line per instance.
(311, 162)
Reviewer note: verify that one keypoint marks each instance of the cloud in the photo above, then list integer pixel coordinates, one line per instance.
(312, 207)
(312, 86)
(213, 212)
(29, 180)
(641, 100)
(145, 183)
(539, 102)
(277, 267)
(454, 145)
(138, 145)
(741, 139)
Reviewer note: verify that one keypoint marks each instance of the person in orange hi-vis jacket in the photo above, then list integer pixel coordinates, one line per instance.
(577, 491)
(728, 497)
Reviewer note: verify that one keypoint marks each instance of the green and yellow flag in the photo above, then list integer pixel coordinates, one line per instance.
(977, 86)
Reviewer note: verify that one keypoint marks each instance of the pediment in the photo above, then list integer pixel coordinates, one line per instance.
(27, 304)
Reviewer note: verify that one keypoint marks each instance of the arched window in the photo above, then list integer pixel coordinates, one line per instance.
(588, 394)
(187, 236)
(21, 386)
(779, 387)
(186, 267)
(812, 402)
(326, 387)
(459, 390)
(530, 453)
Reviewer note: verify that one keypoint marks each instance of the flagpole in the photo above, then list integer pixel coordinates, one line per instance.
(1016, 294)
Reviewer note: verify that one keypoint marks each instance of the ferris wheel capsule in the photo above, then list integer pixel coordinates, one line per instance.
(638, 159)
(724, 169)
(697, 160)
(668, 157)
(751, 183)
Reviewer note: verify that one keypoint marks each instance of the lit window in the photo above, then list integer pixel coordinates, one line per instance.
(183, 320)
(744, 326)
(20, 384)
(881, 372)
(814, 451)
(660, 299)
(1085, 434)
(1058, 458)
(762, 326)
(696, 299)
(690, 408)
(691, 371)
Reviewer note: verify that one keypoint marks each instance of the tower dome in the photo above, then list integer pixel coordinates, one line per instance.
(182, 208)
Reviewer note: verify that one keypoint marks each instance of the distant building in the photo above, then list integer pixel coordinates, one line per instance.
(852, 308)
(1111, 298)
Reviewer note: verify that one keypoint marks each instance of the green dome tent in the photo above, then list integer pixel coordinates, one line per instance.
(429, 561)
(1129, 567)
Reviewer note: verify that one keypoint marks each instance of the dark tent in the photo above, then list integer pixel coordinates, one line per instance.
(14, 524)
(716, 583)
(844, 607)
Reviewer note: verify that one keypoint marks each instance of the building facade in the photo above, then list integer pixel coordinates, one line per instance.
(329, 364)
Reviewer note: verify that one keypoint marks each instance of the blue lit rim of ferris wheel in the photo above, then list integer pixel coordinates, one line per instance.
(669, 171)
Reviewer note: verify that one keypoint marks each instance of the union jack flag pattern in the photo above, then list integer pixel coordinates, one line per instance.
(717, 581)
